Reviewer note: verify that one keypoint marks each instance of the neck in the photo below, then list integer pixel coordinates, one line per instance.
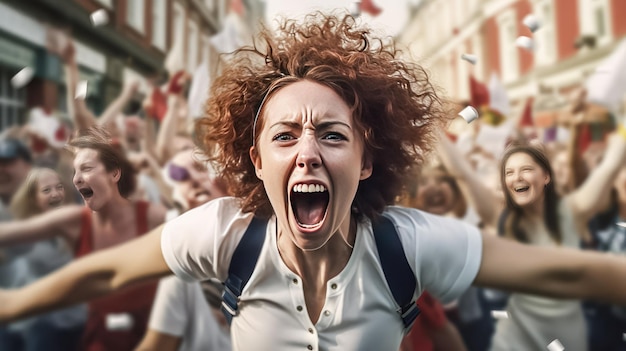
(115, 208)
(534, 211)
(324, 263)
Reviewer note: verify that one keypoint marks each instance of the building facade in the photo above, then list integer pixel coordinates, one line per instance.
(131, 46)
(574, 37)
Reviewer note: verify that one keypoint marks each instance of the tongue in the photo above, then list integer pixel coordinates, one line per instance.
(310, 209)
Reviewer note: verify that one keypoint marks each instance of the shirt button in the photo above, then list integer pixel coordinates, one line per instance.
(310, 347)
(295, 281)
(311, 330)
(299, 308)
(327, 313)
(333, 286)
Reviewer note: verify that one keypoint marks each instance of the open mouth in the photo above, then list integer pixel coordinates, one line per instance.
(202, 196)
(86, 193)
(521, 189)
(309, 203)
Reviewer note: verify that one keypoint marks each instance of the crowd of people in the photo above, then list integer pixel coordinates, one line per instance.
(124, 238)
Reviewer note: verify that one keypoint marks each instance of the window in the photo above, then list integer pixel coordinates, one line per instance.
(178, 24)
(135, 11)
(598, 22)
(159, 23)
(192, 46)
(12, 101)
(509, 59)
(545, 50)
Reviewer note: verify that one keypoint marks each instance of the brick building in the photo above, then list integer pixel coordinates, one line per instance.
(575, 36)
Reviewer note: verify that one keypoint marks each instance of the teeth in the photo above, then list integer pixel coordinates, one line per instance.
(309, 188)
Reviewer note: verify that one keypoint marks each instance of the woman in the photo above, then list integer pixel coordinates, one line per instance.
(42, 191)
(534, 214)
(317, 139)
(104, 178)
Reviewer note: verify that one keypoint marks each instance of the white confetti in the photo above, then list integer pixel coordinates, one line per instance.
(81, 90)
(355, 9)
(500, 314)
(531, 22)
(525, 43)
(555, 345)
(621, 224)
(469, 114)
(22, 78)
(119, 321)
(99, 17)
(470, 58)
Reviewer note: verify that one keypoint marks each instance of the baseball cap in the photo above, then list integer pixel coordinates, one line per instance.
(11, 148)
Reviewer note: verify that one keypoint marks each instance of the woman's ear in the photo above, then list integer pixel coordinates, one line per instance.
(366, 169)
(256, 161)
(117, 174)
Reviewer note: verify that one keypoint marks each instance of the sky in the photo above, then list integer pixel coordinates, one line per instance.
(391, 20)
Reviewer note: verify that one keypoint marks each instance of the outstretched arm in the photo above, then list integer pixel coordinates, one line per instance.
(554, 272)
(116, 107)
(168, 128)
(587, 200)
(480, 197)
(64, 221)
(82, 117)
(98, 274)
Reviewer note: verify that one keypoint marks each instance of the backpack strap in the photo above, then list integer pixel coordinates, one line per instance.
(242, 265)
(398, 273)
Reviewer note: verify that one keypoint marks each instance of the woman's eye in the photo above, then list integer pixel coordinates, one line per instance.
(60, 187)
(46, 191)
(334, 136)
(282, 137)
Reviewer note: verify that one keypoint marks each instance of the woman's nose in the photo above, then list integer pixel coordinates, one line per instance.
(308, 153)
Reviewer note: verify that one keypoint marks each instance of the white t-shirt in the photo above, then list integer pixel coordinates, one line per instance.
(180, 309)
(359, 312)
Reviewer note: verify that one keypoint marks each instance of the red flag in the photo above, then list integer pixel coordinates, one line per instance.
(237, 7)
(371, 8)
(479, 94)
(527, 116)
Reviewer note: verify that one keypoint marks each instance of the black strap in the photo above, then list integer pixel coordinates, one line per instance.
(398, 273)
(242, 265)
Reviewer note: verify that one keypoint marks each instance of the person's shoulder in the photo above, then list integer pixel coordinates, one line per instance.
(405, 216)
(217, 213)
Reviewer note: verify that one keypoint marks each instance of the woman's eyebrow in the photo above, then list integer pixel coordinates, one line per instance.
(329, 124)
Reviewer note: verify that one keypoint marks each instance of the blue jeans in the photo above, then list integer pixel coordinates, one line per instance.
(41, 336)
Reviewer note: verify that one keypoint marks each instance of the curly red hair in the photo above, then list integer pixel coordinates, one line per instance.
(394, 105)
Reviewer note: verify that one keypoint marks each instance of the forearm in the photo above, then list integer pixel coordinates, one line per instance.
(167, 130)
(553, 272)
(82, 117)
(92, 276)
(586, 200)
(474, 190)
(115, 108)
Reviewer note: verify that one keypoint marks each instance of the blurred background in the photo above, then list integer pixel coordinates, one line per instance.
(574, 36)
